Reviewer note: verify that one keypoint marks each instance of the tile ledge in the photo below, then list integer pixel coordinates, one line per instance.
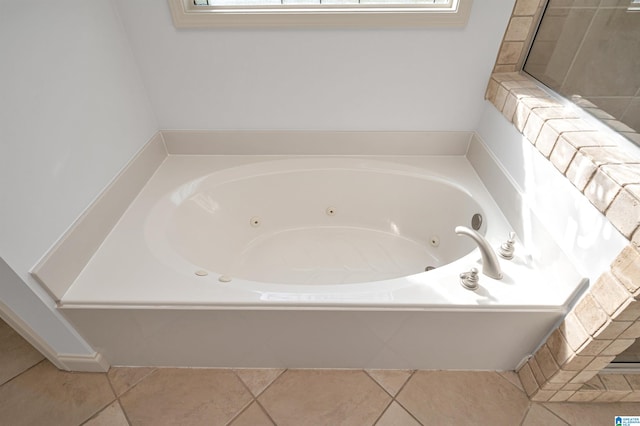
(505, 86)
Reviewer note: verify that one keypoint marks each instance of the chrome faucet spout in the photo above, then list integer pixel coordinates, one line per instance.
(490, 263)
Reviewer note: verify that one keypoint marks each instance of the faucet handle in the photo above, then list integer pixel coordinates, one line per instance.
(507, 248)
(469, 280)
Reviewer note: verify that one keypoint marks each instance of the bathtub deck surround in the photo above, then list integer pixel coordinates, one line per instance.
(190, 316)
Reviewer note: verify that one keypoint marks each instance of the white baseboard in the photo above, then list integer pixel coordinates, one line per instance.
(95, 363)
(89, 363)
(28, 334)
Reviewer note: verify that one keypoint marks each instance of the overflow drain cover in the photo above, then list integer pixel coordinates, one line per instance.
(476, 221)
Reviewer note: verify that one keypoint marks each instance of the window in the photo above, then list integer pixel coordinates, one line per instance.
(319, 13)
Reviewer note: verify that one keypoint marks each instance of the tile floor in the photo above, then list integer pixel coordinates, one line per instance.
(33, 392)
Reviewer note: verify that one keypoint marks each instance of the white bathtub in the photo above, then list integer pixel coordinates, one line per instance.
(241, 261)
(310, 222)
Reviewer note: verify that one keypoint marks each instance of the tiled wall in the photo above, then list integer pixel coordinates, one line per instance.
(606, 320)
(517, 38)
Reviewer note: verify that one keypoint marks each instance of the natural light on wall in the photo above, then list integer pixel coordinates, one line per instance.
(319, 13)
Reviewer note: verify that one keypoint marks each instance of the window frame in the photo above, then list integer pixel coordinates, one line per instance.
(186, 15)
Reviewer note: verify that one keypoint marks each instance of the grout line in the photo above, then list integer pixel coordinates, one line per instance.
(255, 397)
(266, 387)
(23, 372)
(405, 383)
(155, 369)
(100, 410)
(612, 200)
(383, 411)
(526, 413)
(624, 377)
(242, 410)
(400, 391)
(377, 383)
(111, 384)
(115, 399)
(513, 384)
(264, 410)
(244, 384)
(272, 382)
(126, 416)
(556, 415)
(94, 415)
(408, 411)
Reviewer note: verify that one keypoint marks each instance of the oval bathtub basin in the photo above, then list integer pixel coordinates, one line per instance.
(313, 222)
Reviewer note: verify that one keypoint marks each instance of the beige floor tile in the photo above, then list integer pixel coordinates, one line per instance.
(396, 416)
(457, 397)
(124, 378)
(110, 416)
(184, 396)
(538, 415)
(586, 414)
(252, 416)
(512, 377)
(44, 395)
(16, 354)
(257, 379)
(391, 380)
(324, 397)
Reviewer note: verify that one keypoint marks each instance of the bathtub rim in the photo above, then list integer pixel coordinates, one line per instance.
(461, 163)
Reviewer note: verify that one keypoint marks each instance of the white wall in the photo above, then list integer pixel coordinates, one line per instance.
(418, 79)
(73, 112)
